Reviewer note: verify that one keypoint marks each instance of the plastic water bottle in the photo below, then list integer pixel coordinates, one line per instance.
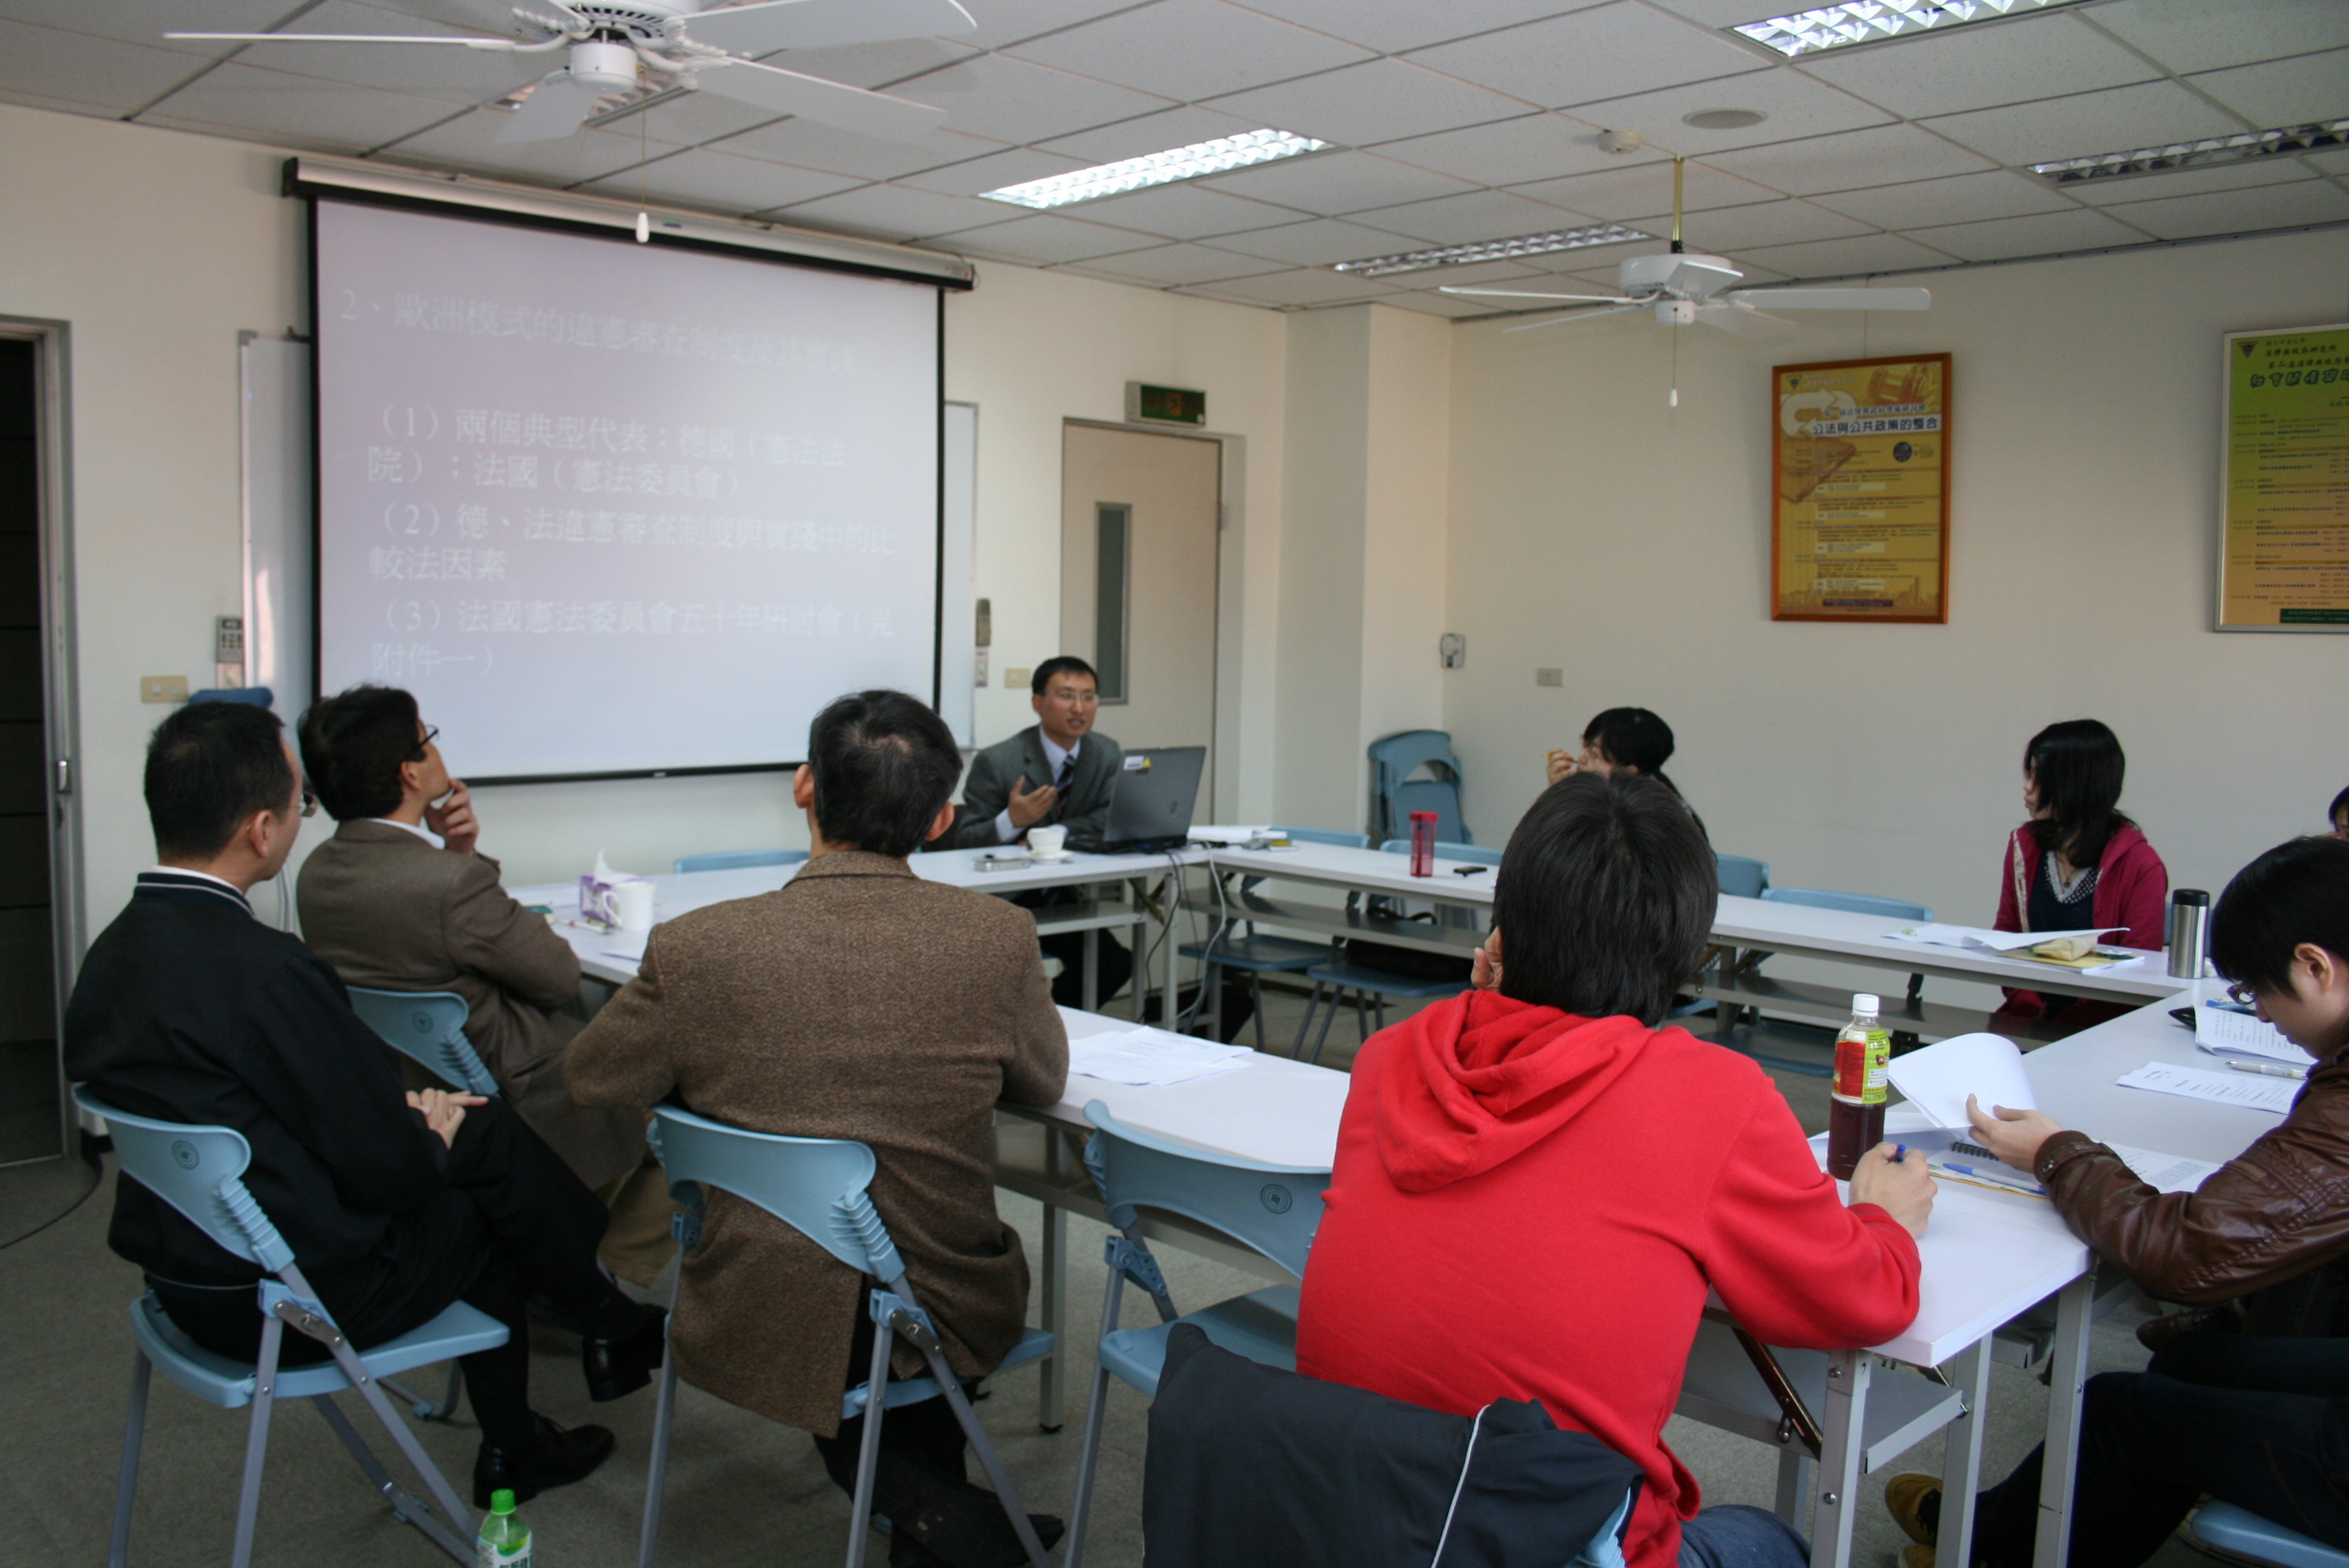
(504, 1539)
(1855, 1109)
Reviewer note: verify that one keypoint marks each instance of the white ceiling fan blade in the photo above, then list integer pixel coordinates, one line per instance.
(830, 103)
(1699, 279)
(558, 106)
(1734, 315)
(1529, 293)
(498, 45)
(1575, 315)
(820, 23)
(1838, 299)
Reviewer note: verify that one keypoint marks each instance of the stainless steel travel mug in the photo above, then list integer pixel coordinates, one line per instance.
(2190, 921)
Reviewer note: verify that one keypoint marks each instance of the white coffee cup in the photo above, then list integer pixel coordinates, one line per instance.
(632, 905)
(1050, 843)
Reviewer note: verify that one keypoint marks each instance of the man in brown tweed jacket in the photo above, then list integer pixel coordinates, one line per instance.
(858, 1002)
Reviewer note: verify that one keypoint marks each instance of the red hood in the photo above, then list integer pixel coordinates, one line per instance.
(1475, 1080)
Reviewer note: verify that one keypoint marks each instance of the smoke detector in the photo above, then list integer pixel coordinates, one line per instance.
(1620, 141)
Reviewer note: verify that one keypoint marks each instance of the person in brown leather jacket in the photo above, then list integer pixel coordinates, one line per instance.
(2258, 1419)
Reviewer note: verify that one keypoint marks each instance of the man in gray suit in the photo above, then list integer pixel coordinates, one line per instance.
(391, 909)
(858, 1002)
(1058, 770)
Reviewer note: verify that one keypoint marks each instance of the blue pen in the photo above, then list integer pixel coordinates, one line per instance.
(1900, 1152)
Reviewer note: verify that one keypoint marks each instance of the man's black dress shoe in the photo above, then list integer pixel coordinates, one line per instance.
(553, 1456)
(618, 1366)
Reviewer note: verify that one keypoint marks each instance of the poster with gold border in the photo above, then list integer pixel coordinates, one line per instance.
(2284, 481)
(1859, 490)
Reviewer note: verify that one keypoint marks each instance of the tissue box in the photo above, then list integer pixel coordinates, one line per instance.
(596, 900)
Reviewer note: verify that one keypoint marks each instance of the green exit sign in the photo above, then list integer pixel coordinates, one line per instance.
(1164, 404)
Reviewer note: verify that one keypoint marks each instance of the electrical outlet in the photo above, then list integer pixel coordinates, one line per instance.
(1544, 677)
(162, 689)
(1017, 676)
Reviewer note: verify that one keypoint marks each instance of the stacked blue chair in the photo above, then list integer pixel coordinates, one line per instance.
(2232, 1532)
(1271, 1210)
(1395, 794)
(737, 860)
(1257, 957)
(200, 1171)
(1742, 876)
(818, 1186)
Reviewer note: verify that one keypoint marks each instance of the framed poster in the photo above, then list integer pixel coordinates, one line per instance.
(2283, 482)
(1859, 491)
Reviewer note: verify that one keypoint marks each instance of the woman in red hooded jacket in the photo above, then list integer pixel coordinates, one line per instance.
(1536, 1183)
(2078, 863)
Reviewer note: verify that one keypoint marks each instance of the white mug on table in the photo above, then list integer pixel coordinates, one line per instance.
(1048, 840)
(632, 905)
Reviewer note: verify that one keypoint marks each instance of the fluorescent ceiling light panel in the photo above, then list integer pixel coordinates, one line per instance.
(1493, 250)
(1217, 157)
(2197, 154)
(1870, 21)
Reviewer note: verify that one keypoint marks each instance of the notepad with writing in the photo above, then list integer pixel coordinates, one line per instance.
(2224, 1032)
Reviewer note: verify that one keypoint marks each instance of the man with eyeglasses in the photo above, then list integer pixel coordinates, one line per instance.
(392, 910)
(1058, 772)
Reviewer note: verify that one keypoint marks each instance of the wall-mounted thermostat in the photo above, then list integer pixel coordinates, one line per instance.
(1164, 404)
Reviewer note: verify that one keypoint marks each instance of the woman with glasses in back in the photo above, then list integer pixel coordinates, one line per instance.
(2078, 863)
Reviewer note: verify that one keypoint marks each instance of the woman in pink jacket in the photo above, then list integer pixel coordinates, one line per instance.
(2078, 862)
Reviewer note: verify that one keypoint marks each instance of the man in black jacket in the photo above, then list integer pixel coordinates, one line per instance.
(396, 1204)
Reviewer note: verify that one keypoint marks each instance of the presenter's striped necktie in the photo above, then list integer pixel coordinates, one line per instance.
(1067, 776)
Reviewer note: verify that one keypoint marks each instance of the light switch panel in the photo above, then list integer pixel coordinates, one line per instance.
(1549, 677)
(162, 689)
(1017, 676)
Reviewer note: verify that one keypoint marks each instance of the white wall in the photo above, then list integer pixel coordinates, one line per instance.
(1596, 528)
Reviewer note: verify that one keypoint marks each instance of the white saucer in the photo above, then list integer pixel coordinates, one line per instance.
(1061, 855)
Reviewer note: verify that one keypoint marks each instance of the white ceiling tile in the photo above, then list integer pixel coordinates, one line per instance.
(1016, 166)
(1190, 49)
(472, 142)
(2029, 56)
(2284, 92)
(1018, 101)
(1795, 104)
(434, 71)
(1849, 159)
(2040, 234)
(804, 144)
(698, 177)
(1335, 182)
(1320, 244)
(1730, 230)
(79, 68)
(1512, 151)
(1170, 265)
(1042, 239)
(1299, 288)
(1377, 101)
(1644, 190)
(1958, 199)
(1464, 219)
(1002, 22)
(2336, 161)
(1160, 132)
(1601, 53)
(2202, 35)
(1594, 269)
(1391, 26)
(1720, 13)
(2238, 212)
(874, 64)
(2237, 176)
(1845, 258)
(146, 21)
(273, 105)
(2086, 124)
(891, 212)
(1182, 212)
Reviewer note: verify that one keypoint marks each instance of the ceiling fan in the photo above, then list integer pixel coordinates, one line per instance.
(1680, 288)
(615, 48)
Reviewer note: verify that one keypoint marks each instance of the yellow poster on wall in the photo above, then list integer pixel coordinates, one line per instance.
(2283, 540)
(1859, 482)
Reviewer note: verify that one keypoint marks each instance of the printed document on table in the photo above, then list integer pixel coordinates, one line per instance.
(1153, 1057)
(1975, 936)
(2164, 1173)
(2224, 1032)
(1937, 1079)
(2221, 1089)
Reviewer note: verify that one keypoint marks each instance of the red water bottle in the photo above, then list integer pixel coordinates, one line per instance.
(1422, 843)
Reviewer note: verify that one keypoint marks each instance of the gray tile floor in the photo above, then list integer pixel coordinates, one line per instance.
(742, 1490)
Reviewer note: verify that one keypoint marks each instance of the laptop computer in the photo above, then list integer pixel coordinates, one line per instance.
(1150, 805)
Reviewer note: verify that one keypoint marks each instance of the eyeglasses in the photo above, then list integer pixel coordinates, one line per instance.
(2244, 993)
(424, 747)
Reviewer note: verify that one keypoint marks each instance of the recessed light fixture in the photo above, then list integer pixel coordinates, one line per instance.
(1868, 21)
(1493, 250)
(1723, 119)
(1217, 157)
(2197, 154)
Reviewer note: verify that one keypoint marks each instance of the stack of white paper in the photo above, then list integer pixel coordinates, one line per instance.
(2166, 1172)
(2221, 1089)
(1937, 1079)
(2224, 1032)
(1975, 936)
(1151, 1057)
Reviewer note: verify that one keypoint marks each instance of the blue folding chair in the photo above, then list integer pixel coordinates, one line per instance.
(1742, 876)
(818, 1186)
(735, 860)
(198, 1171)
(1395, 794)
(1271, 1210)
(1372, 985)
(1257, 957)
(2236, 1532)
(428, 1027)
